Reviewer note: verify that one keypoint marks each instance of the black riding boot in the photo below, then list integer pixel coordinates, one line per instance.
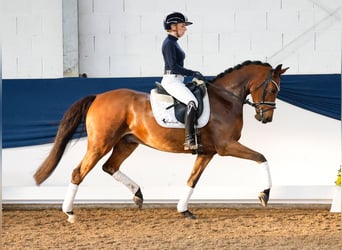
(190, 133)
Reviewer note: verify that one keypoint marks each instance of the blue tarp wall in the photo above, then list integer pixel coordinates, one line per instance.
(32, 108)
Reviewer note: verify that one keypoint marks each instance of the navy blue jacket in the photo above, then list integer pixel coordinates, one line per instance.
(174, 57)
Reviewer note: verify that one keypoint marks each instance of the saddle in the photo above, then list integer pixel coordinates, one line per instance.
(197, 88)
(170, 112)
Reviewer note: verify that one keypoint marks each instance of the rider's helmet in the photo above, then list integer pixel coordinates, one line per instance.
(175, 17)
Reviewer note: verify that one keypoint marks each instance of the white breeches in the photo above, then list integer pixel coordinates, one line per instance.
(174, 85)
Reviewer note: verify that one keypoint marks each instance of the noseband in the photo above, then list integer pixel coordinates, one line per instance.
(271, 105)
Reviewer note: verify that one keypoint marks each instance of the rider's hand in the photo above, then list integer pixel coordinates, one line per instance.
(199, 76)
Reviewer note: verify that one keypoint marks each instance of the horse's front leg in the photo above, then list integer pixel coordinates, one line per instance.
(236, 149)
(264, 195)
(198, 168)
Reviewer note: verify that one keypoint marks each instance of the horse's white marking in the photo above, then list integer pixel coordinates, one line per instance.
(124, 179)
(182, 205)
(267, 181)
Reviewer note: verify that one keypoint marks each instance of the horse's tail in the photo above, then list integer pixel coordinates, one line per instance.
(67, 127)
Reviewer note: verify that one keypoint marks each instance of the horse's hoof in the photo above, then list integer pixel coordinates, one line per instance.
(138, 198)
(138, 201)
(71, 217)
(264, 197)
(188, 214)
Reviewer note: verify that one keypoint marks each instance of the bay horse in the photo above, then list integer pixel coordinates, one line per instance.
(120, 120)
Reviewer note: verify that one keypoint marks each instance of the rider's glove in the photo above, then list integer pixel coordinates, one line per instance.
(199, 76)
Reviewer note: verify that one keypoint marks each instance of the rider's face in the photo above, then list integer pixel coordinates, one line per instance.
(179, 29)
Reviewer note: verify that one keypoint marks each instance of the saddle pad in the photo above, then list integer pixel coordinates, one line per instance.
(166, 117)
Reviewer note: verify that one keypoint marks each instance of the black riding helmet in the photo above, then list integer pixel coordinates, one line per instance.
(175, 17)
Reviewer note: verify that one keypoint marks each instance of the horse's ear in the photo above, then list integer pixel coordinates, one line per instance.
(279, 70)
(278, 67)
(282, 71)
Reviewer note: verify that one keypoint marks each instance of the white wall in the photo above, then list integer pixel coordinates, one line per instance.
(302, 148)
(32, 45)
(123, 38)
(119, 38)
(70, 38)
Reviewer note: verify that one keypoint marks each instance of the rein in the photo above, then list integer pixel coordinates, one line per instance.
(211, 84)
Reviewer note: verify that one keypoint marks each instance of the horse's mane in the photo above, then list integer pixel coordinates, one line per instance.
(239, 66)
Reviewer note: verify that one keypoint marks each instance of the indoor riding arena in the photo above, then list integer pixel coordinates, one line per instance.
(274, 183)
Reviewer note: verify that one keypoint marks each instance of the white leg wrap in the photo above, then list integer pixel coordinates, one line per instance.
(184, 200)
(69, 198)
(124, 179)
(266, 175)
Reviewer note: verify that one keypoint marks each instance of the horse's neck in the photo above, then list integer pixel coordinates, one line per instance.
(233, 84)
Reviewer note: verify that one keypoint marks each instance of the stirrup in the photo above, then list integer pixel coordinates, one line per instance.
(190, 145)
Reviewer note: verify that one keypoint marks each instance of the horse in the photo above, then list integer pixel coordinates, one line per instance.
(121, 119)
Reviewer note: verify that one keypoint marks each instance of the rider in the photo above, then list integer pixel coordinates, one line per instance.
(175, 25)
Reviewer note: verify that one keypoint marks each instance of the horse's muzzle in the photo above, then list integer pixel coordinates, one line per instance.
(261, 118)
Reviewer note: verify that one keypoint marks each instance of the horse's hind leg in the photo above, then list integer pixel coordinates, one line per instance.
(78, 174)
(121, 151)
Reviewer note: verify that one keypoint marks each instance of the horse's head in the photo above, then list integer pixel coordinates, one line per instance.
(264, 92)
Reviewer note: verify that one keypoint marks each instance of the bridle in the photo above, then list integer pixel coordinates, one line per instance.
(266, 83)
(271, 105)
